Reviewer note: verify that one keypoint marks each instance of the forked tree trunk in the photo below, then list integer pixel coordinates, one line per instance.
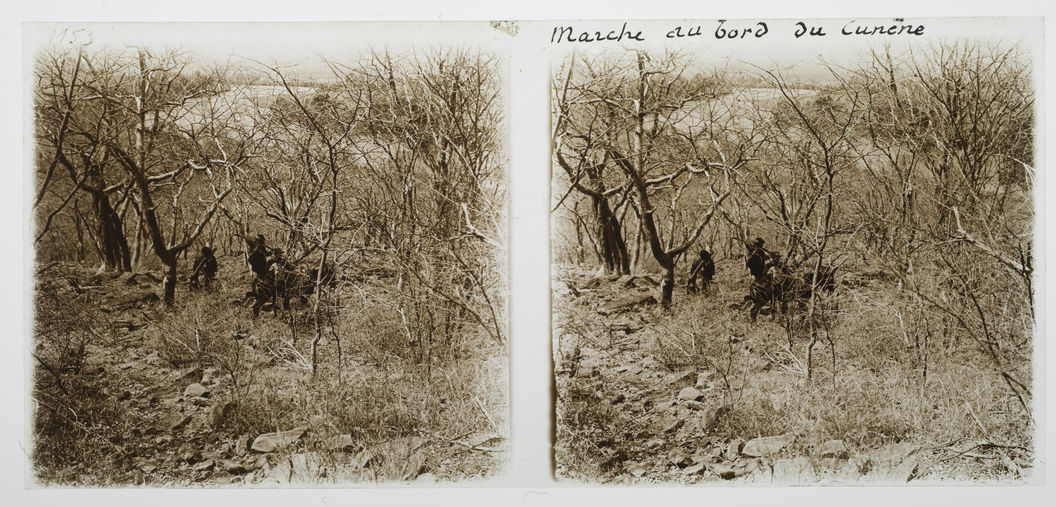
(610, 238)
(112, 242)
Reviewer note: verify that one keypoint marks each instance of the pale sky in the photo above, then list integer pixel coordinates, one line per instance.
(301, 44)
(803, 57)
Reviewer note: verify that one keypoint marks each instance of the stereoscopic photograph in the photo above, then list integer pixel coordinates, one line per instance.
(796, 252)
(267, 255)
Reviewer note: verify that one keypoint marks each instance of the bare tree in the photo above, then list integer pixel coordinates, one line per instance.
(962, 118)
(169, 136)
(812, 149)
(664, 137)
(69, 127)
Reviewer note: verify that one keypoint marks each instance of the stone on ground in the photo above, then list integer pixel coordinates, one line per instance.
(196, 390)
(626, 303)
(339, 443)
(767, 446)
(270, 442)
(724, 471)
(179, 422)
(833, 449)
(690, 393)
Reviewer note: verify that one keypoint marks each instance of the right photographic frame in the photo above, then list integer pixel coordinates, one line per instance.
(796, 252)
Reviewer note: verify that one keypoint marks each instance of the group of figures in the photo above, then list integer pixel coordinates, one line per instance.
(275, 280)
(773, 283)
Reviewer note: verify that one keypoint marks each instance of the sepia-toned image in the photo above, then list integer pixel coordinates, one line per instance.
(267, 254)
(796, 252)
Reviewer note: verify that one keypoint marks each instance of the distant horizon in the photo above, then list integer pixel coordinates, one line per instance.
(302, 47)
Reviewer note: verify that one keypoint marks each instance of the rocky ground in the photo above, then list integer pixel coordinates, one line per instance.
(182, 425)
(626, 415)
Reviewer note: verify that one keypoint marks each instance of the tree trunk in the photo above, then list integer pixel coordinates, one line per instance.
(137, 251)
(77, 224)
(170, 282)
(667, 286)
(112, 241)
(610, 238)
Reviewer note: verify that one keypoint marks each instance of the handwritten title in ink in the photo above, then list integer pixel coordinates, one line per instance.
(743, 29)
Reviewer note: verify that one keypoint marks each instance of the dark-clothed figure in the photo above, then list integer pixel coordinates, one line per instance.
(258, 256)
(204, 265)
(263, 285)
(704, 269)
(761, 290)
(757, 259)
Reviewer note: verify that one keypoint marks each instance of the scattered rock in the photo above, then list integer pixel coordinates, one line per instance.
(798, 470)
(196, 390)
(144, 465)
(192, 375)
(833, 449)
(614, 460)
(679, 458)
(694, 405)
(704, 379)
(190, 455)
(232, 467)
(626, 303)
(223, 478)
(339, 443)
(693, 469)
(710, 455)
(415, 466)
(679, 378)
(895, 453)
(690, 393)
(211, 376)
(767, 446)
(179, 422)
(654, 444)
(129, 278)
(904, 472)
(599, 280)
(733, 450)
(635, 468)
(221, 413)
(626, 324)
(724, 472)
(646, 282)
(673, 424)
(716, 416)
(241, 445)
(260, 462)
(270, 442)
(204, 465)
(363, 459)
(857, 467)
(479, 439)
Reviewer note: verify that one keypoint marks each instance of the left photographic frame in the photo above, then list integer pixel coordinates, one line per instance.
(266, 254)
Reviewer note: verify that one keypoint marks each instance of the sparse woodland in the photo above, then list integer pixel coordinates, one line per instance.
(383, 184)
(905, 182)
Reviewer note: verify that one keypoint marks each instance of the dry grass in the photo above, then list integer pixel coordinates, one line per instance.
(881, 391)
(378, 390)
